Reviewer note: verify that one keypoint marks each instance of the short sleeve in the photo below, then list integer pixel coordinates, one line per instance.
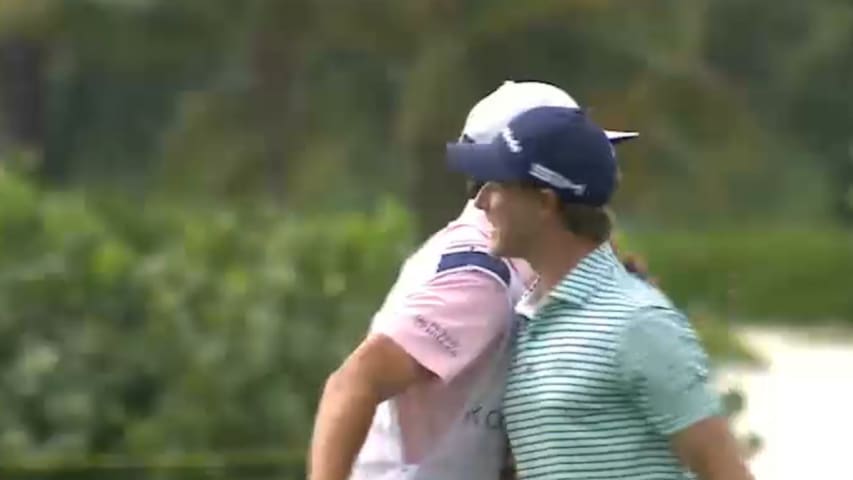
(449, 322)
(667, 371)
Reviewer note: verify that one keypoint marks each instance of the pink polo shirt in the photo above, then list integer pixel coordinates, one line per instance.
(450, 325)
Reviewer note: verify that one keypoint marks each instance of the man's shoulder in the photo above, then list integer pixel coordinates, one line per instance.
(653, 311)
(464, 235)
(465, 245)
(634, 293)
(455, 237)
(617, 302)
(460, 250)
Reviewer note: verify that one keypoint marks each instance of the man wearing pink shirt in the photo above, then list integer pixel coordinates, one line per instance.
(421, 397)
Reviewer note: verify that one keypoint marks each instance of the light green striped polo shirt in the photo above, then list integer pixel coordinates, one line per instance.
(604, 370)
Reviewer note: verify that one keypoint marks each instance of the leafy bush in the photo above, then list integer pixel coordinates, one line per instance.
(776, 275)
(718, 339)
(174, 337)
(146, 330)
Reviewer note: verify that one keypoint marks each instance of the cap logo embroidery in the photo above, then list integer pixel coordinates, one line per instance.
(555, 179)
(511, 142)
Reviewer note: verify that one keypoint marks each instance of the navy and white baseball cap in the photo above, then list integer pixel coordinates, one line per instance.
(493, 112)
(555, 147)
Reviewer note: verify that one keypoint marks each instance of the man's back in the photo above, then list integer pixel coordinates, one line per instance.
(451, 309)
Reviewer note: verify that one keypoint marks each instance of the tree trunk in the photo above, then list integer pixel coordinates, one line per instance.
(22, 94)
(438, 194)
(277, 47)
(434, 104)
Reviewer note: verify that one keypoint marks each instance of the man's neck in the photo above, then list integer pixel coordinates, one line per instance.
(555, 256)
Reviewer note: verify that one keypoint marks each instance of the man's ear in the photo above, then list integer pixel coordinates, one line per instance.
(550, 201)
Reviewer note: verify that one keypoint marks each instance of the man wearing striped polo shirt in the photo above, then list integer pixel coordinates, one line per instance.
(607, 378)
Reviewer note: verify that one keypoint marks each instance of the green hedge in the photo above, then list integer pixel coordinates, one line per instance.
(148, 330)
(134, 338)
(775, 275)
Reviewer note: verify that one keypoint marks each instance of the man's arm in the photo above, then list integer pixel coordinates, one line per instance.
(709, 449)
(667, 372)
(377, 370)
(436, 333)
(508, 471)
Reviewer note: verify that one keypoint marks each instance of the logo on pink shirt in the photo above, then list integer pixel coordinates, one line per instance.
(439, 334)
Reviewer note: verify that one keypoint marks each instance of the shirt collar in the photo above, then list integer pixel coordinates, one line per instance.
(580, 283)
(583, 280)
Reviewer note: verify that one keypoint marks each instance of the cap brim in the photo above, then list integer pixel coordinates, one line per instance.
(616, 136)
(481, 162)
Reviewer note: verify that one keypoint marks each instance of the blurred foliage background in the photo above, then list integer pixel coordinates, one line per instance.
(202, 201)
